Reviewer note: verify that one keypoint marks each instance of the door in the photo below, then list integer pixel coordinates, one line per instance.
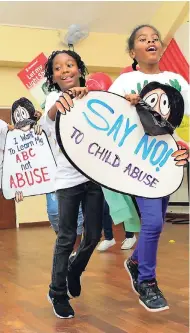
(7, 207)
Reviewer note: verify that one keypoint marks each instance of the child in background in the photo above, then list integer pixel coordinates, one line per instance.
(130, 238)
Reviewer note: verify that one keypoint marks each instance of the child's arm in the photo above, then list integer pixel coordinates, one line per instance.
(133, 98)
(55, 102)
(52, 112)
(64, 102)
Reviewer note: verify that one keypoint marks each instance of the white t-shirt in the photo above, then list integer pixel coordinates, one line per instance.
(3, 133)
(66, 175)
(50, 134)
(133, 83)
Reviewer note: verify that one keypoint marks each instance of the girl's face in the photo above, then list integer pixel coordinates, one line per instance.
(147, 46)
(65, 72)
(159, 101)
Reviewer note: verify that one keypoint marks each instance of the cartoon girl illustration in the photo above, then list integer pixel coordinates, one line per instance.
(24, 115)
(161, 108)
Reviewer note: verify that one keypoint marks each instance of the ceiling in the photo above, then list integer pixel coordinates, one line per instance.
(100, 16)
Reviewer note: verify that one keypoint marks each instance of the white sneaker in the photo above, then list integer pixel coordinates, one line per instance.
(128, 243)
(105, 244)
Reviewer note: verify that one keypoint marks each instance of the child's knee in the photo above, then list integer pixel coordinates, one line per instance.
(156, 225)
(66, 240)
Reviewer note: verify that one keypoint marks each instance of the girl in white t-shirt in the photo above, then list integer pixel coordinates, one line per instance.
(145, 48)
(66, 71)
(51, 198)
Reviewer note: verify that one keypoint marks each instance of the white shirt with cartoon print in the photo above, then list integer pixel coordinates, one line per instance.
(133, 83)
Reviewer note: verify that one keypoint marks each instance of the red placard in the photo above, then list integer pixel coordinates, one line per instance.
(33, 72)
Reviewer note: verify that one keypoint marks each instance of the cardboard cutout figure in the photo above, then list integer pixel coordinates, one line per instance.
(29, 165)
(161, 109)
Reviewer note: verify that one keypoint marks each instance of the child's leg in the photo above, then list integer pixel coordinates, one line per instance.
(108, 231)
(52, 210)
(93, 205)
(80, 221)
(128, 234)
(80, 228)
(142, 272)
(68, 202)
(107, 223)
(130, 238)
(165, 201)
(151, 227)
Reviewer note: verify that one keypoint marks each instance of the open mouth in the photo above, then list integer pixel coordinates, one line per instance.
(66, 78)
(151, 49)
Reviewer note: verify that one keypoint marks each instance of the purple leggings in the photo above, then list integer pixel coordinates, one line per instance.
(153, 213)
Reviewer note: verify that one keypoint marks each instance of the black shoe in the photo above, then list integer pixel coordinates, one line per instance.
(151, 297)
(61, 306)
(73, 285)
(132, 269)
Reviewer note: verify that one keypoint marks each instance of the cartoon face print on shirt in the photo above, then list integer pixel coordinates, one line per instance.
(23, 114)
(165, 100)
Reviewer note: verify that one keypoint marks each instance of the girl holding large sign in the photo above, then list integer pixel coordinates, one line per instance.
(145, 48)
(65, 70)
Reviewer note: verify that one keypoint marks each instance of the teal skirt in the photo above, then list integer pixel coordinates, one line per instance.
(122, 210)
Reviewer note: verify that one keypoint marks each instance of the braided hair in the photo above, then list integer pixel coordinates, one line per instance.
(131, 40)
(49, 69)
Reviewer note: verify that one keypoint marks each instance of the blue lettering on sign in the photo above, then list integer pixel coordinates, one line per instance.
(89, 105)
(148, 148)
(116, 128)
(128, 130)
(151, 149)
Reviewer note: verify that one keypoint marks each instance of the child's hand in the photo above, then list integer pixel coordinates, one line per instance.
(133, 98)
(64, 103)
(38, 115)
(181, 156)
(18, 196)
(10, 127)
(37, 129)
(78, 92)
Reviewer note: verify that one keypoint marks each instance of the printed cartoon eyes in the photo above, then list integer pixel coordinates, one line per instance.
(151, 100)
(20, 114)
(164, 104)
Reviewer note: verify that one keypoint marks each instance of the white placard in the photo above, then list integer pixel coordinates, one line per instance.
(104, 139)
(28, 166)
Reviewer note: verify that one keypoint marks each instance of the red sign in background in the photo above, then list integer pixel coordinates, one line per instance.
(33, 72)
